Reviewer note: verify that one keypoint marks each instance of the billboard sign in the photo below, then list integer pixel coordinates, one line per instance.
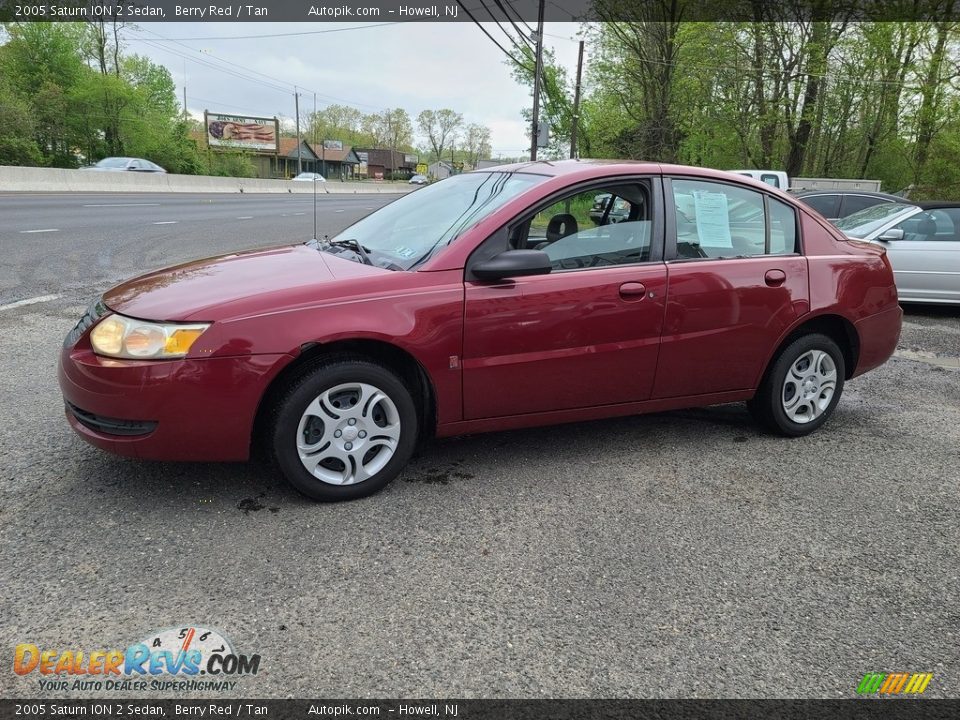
(333, 145)
(242, 132)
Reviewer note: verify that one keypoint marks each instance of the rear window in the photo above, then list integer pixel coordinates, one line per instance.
(856, 203)
(826, 205)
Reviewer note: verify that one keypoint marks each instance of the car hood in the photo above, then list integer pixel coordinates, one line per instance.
(233, 285)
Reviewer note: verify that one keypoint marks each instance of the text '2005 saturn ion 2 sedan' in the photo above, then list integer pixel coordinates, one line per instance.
(488, 301)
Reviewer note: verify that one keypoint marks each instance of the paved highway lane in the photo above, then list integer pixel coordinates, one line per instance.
(56, 243)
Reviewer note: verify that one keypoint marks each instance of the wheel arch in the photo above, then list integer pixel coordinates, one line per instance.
(380, 352)
(835, 326)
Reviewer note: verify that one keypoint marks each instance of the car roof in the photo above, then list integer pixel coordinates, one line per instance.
(591, 168)
(935, 204)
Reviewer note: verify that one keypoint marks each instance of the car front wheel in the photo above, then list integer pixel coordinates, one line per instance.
(802, 387)
(344, 430)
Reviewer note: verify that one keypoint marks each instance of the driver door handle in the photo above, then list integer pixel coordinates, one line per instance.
(633, 291)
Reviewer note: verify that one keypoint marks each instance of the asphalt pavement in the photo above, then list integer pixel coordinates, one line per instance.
(682, 554)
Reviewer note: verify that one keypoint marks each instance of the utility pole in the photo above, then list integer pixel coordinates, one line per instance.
(576, 106)
(538, 71)
(296, 101)
(184, 89)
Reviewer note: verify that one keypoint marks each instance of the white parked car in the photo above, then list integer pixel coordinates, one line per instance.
(776, 178)
(124, 164)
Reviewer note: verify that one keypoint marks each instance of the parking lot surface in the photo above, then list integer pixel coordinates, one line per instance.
(683, 554)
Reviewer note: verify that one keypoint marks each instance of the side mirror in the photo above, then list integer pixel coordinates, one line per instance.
(891, 234)
(513, 263)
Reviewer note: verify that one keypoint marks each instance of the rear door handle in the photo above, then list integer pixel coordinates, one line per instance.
(633, 291)
(774, 278)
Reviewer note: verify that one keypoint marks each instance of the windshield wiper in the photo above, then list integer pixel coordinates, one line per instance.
(352, 244)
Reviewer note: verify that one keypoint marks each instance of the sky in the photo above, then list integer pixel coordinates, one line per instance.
(415, 66)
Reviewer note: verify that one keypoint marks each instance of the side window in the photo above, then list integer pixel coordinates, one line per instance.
(826, 205)
(929, 225)
(716, 220)
(597, 228)
(770, 179)
(954, 215)
(856, 203)
(783, 228)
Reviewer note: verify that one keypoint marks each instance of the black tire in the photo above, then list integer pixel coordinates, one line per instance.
(767, 406)
(292, 403)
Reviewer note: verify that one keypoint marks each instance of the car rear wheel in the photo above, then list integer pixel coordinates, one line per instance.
(344, 430)
(801, 388)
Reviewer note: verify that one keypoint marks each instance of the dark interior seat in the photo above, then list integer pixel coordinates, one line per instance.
(560, 226)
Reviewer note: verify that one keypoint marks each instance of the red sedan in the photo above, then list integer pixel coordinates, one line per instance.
(491, 300)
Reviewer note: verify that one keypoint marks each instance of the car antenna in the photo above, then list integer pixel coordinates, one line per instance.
(314, 121)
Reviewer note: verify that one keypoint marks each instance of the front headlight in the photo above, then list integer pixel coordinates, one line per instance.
(123, 337)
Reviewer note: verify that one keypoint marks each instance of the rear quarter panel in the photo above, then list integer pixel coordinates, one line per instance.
(855, 281)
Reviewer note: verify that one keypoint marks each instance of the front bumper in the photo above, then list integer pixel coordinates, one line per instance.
(189, 409)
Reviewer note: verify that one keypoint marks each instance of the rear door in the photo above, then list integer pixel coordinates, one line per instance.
(736, 281)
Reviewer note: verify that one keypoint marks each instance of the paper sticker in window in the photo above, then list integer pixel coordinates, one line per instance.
(713, 219)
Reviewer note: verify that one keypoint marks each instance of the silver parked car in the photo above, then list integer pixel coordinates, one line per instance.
(122, 164)
(309, 177)
(922, 242)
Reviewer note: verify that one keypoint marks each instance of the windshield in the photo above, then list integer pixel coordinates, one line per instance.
(408, 231)
(864, 222)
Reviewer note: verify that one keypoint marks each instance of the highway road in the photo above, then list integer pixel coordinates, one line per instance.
(683, 554)
(61, 243)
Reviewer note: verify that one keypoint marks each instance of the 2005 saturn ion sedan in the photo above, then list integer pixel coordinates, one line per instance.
(488, 301)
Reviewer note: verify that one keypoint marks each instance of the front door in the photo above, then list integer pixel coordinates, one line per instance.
(588, 333)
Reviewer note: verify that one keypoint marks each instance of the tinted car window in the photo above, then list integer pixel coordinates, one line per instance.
(568, 230)
(856, 203)
(826, 205)
(931, 225)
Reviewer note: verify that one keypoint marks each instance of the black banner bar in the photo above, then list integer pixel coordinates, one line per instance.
(885, 709)
(379, 11)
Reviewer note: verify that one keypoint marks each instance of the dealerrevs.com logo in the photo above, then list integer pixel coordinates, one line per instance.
(171, 659)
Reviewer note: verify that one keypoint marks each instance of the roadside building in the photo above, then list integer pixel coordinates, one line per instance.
(293, 155)
(385, 164)
(484, 164)
(440, 170)
(336, 163)
(280, 163)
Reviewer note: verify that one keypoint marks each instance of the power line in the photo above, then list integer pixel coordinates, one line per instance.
(519, 17)
(510, 37)
(492, 39)
(289, 34)
(283, 84)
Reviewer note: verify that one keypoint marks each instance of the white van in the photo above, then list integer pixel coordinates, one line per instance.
(777, 178)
